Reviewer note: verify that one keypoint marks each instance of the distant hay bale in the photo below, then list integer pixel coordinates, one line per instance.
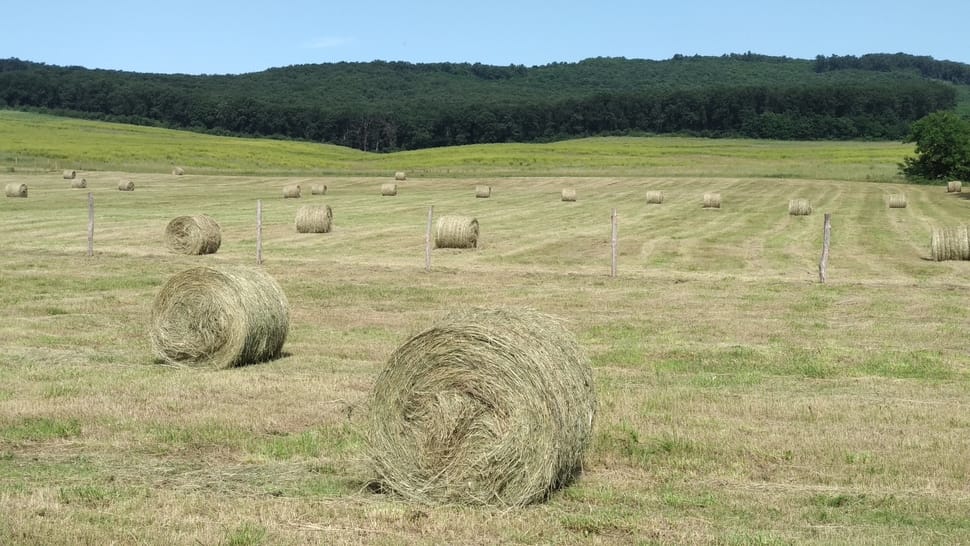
(483, 191)
(568, 194)
(79, 183)
(314, 219)
(799, 207)
(453, 231)
(15, 190)
(69, 175)
(219, 317)
(291, 191)
(954, 186)
(655, 197)
(178, 171)
(712, 200)
(897, 201)
(952, 243)
(399, 175)
(318, 189)
(126, 185)
(485, 407)
(388, 189)
(194, 235)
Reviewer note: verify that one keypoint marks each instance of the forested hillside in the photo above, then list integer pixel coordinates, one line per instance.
(386, 106)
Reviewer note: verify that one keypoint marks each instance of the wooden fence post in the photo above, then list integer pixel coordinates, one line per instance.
(427, 241)
(823, 263)
(259, 231)
(613, 239)
(90, 224)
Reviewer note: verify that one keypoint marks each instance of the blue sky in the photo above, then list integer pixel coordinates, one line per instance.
(220, 37)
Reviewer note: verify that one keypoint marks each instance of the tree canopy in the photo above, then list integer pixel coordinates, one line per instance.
(942, 148)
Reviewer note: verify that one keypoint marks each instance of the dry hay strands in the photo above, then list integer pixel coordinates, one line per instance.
(655, 197)
(291, 191)
(483, 191)
(486, 407)
(897, 201)
(712, 200)
(219, 317)
(954, 186)
(318, 189)
(799, 207)
(126, 185)
(951, 243)
(194, 235)
(178, 171)
(314, 219)
(388, 190)
(568, 194)
(70, 175)
(15, 190)
(79, 183)
(453, 231)
(399, 175)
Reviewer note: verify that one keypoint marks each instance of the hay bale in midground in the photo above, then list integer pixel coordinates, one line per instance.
(195, 235)
(69, 175)
(483, 192)
(655, 197)
(799, 207)
(712, 200)
(126, 185)
(951, 243)
(178, 171)
(399, 175)
(453, 231)
(314, 219)
(568, 194)
(291, 191)
(15, 190)
(488, 406)
(954, 186)
(79, 183)
(897, 201)
(318, 189)
(219, 317)
(388, 190)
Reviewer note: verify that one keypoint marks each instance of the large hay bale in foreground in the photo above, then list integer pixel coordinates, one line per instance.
(897, 201)
(15, 190)
(712, 200)
(399, 175)
(79, 183)
(951, 243)
(126, 185)
(178, 171)
(655, 197)
(219, 317)
(799, 207)
(483, 191)
(486, 407)
(568, 194)
(291, 191)
(69, 175)
(318, 189)
(194, 235)
(954, 186)
(453, 231)
(388, 190)
(314, 219)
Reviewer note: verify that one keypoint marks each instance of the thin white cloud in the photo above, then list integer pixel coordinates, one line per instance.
(327, 42)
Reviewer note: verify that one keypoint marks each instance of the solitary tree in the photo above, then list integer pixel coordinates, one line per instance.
(942, 148)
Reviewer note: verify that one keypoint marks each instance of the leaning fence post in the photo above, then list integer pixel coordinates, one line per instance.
(823, 262)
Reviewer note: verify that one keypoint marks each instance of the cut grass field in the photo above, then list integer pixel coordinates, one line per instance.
(740, 401)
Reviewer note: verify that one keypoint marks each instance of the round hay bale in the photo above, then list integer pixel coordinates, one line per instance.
(69, 175)
(712, 200)
(568, 194)
(15, 190)
(388, 189)
(178, 171)
(954, 186)
(219, 317)
(291, 191)
(318, 189)
(126, 185)
(951, 243)
(655, 197)
(486, 407)
(194, 235)
(399, 175)
(897, 201)
(483, 191)
(79, 183)
(453, 231)
(799, 207)
(314, 219)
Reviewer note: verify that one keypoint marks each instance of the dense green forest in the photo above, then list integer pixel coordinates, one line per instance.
(388, 106)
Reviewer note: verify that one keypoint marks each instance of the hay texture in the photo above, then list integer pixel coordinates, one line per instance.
(318, 189)
(799, 207)
(483, 192)
(897, 201)
(954, 186)
(178, 171)
(655, 197)
(219, 317)
(486, 407)
(399, 176)
(951, 243)
(568, 194)
(291, 191)
(194, 235)
(70, 175)
(712, 200)
(388, 190)
(453, 231)
(126, 185)
(15, 190)
(314, 219)
(79, 183)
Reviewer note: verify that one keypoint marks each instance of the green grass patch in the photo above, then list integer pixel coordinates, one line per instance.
(36, 429)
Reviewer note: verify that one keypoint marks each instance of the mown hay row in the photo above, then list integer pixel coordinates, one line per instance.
(15, 190)
(219, 317)
(291, 191)
(799, 207)
(568, 194)
(454, 231)
(483, 192)
(126, 185)
(712, 200)
(952, 243)
(655, 197)
(485, 407)
(314, 219)
(388, 190)
(193, 235)
(897, 201)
